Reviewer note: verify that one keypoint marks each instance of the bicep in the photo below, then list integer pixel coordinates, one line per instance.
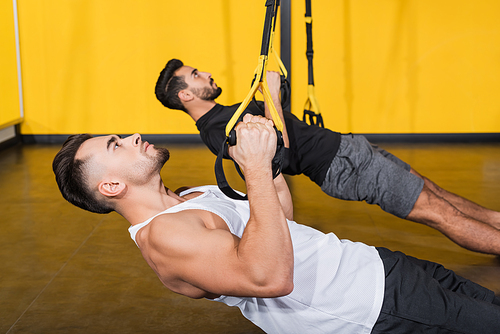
(204, 258)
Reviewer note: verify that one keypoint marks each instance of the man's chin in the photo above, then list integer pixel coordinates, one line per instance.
(217, 93)
(162, 156)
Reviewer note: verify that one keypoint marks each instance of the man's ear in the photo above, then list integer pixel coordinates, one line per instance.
(185, 95)
(111, 189)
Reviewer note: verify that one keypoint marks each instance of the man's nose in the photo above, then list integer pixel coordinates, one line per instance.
(136, 139)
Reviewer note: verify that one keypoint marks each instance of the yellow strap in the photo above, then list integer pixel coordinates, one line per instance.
(276, 57)
(280, 63)
(311, 100)
(246, 101)
(262, 83)
(309, 19)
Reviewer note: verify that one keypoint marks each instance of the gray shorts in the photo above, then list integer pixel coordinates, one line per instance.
(362, 171)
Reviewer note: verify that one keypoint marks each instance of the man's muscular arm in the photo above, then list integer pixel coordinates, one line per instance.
(266, 239)
(198, 261)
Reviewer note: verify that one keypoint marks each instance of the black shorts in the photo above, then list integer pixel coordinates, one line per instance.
(424, 297)
(363, 172)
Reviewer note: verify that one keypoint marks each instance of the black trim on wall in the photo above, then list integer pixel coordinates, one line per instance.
(435, 138)
(154, 139)
(375, 138)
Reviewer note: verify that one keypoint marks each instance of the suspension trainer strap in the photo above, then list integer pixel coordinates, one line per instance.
(260, 72)
(309, 50)
(311, 107)
(260, 81)
(285, 84)
(221, 177)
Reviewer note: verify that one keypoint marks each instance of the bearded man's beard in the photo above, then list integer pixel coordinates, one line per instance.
(162, 156)
(208, 93)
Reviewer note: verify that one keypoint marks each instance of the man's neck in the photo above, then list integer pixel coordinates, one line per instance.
(200, 108)
(143, 203)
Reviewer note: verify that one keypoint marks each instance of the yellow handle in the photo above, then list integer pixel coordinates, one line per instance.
(311, 100)
(262, 83)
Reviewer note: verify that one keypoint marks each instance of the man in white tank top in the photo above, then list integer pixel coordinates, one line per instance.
(284, 277)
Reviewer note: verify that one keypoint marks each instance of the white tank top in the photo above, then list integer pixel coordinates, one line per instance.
(338, 284)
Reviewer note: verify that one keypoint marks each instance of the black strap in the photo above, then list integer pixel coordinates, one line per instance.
(309, 50)
(277, 164)
(285, 92)
(313, 117)
(271, 12)
(221, 177)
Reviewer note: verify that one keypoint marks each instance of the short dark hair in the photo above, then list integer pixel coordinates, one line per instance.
(71, 176)
(169, 85)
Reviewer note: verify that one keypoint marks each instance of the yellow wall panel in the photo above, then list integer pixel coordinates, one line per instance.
(91, 66)
(386, 66)
(402, 66)
(9, 94)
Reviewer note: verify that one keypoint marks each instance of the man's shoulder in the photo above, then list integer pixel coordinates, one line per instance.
(166, 230)
(174, 220)
(218, 115)
(221, 114)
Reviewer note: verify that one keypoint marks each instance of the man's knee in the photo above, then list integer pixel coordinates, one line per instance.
(429, 209)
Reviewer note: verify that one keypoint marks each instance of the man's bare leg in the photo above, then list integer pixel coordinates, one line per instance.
(436, 212)
(466, 206)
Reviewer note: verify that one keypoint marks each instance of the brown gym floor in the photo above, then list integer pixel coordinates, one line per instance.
(64, 270)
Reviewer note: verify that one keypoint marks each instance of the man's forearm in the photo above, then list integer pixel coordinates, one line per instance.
(266, 235)
(280, 182)
(265, 246)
